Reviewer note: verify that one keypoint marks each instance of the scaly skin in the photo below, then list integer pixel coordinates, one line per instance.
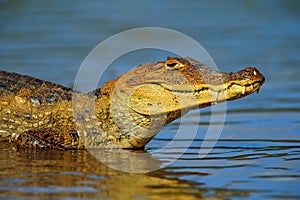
(125, 113)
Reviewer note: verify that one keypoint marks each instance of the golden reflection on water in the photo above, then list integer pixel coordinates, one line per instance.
(52, 173)
(68, 170)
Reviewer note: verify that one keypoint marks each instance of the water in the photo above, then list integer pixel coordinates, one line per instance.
(258, 153)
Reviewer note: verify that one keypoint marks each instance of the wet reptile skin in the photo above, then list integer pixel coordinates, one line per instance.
(127, 112)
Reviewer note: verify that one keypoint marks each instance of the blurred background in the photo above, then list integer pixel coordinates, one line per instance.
(258, 153)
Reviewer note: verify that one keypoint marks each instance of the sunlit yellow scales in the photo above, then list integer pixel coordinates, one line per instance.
(127, 112)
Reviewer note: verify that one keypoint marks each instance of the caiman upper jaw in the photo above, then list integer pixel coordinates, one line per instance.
(246, 76)
(221, 81)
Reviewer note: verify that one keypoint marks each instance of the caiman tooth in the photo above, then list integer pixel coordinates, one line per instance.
(251, 87)
(244, 90)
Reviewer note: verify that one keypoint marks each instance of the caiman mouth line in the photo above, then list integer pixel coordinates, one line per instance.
(254, 87)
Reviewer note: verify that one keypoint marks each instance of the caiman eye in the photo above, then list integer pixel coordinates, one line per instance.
(174, 64)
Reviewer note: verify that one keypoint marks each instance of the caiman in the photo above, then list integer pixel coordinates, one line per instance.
(125, 113)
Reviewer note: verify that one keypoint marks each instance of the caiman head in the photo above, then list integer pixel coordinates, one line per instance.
(152, 95)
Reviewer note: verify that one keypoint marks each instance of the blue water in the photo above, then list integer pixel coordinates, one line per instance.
(258, 153)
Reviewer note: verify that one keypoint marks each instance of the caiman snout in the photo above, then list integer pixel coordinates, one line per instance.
(250, 73)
